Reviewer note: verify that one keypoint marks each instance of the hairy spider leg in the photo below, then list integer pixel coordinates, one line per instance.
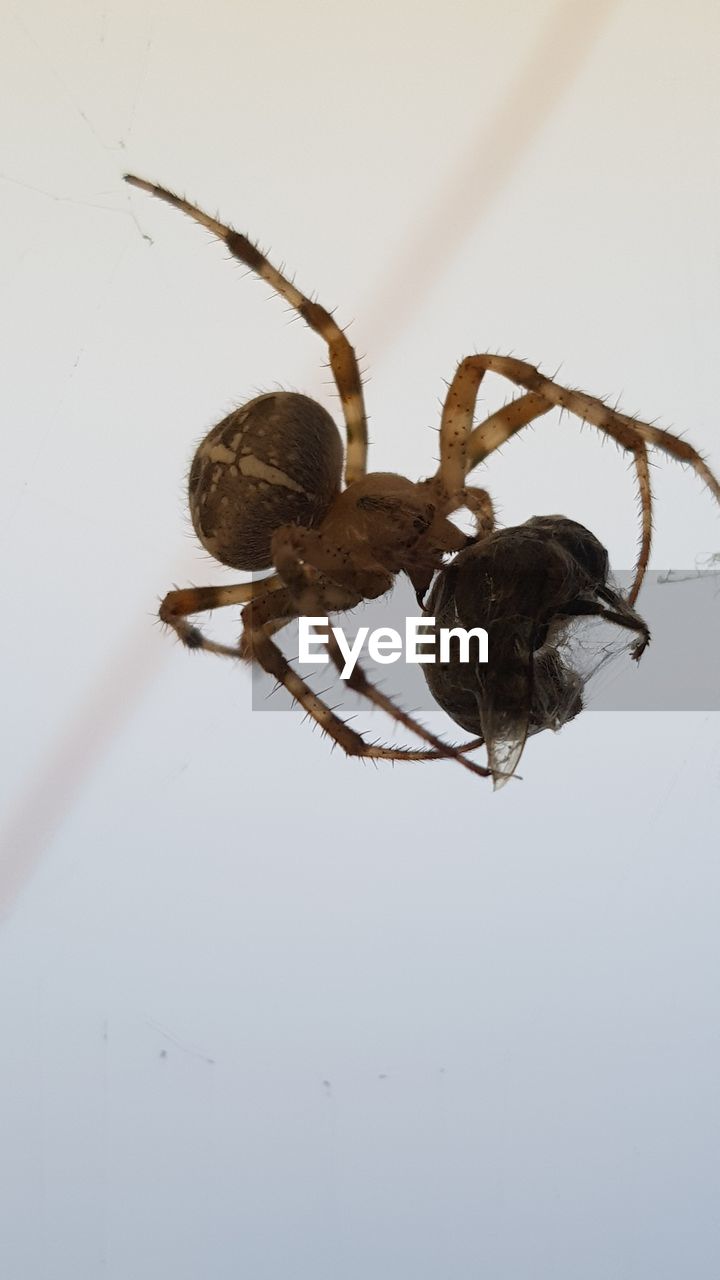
(178, 606)
(497, 429)
(632, 434)
(359, 682)
(273, 660)
(343, 360)
(505, 423)
(272, 607)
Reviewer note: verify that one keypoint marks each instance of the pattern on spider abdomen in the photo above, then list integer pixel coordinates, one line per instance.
(275, 461)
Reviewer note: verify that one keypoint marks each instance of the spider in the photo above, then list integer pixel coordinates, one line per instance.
(528, 586)
(265, 492)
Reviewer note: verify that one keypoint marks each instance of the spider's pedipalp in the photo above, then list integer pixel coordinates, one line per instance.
(343, 361)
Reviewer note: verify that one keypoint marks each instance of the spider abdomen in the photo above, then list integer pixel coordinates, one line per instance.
(275, 461)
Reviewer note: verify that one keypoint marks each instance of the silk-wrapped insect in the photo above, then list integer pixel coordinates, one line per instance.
(529, 587)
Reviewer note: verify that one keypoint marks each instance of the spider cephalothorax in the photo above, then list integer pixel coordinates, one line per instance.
(265, 492)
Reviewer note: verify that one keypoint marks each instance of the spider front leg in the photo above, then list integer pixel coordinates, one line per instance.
(455, 429)
(502, 425)
(543, 393)
(456, 435)
(343, 360)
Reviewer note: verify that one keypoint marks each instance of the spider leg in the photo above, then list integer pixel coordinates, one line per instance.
(343, 360)
(479, 502)
(269, 605)
(273, 661)
(179, 605)
(455, 437)
(630, 433)
(461, 448)
(462, 749)
(358, 681)
(501, 426)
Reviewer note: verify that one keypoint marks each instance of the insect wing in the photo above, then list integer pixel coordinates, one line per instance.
(544, 692)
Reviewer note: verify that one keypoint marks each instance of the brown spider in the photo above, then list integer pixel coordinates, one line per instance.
(265, 491)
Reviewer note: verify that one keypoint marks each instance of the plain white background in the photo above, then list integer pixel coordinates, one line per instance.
(265, 1011)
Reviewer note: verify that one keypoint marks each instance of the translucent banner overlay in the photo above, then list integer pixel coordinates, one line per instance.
(680, 670)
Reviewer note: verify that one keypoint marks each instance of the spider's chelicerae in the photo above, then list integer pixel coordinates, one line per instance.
(265, 491)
